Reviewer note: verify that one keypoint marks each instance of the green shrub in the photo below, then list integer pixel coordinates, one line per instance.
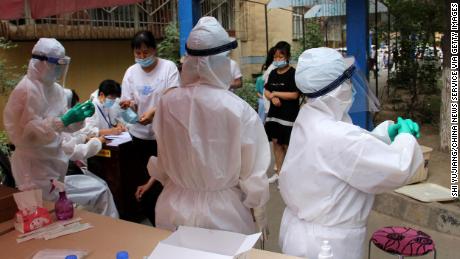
(248, 93)
(169, 47)
(8, 78)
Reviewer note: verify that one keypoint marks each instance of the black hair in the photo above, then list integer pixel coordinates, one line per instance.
(284, 48)
(269, 59)
(110, 87)
(143, 37)
(75, 99)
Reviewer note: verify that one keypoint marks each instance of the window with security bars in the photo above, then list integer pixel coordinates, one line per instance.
(297, 22)
(117, 22)
(222, 10)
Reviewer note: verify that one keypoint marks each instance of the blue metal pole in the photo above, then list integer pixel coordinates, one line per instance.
(189, 13)
(358, 46)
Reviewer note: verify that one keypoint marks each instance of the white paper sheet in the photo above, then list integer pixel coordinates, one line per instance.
(200, 243)
(116, 140)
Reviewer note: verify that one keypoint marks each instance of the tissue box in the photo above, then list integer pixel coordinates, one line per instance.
(27, 222)
(7, 205)
(191, 242)
(422, 172)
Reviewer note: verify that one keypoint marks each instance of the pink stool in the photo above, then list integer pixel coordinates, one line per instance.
(402, 241)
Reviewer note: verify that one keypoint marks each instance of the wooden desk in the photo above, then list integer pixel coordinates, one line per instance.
(115, 165)
(103, 241)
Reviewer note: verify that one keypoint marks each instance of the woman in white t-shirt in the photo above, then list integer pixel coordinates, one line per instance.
(142, 87)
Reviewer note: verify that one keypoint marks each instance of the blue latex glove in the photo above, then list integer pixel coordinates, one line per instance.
(393, 131)
(78, 113)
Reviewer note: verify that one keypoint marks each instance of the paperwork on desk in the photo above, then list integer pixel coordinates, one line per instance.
(116, 140)
(191, 242)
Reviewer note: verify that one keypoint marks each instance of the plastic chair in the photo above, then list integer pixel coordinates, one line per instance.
(402, 241)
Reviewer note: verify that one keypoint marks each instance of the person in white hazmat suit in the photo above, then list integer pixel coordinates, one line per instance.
(35, 116)
(212, 148)
(333, 168)
(87, 189)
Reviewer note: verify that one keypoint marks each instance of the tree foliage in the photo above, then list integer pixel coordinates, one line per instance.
(8, 77)
(313, 38)
(169, 47)
(417, 68)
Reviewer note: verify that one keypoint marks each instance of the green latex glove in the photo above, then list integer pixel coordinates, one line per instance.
(408, 126)
(78, 113)
(414, 128)
(393, 131)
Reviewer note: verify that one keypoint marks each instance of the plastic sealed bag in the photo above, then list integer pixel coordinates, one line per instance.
(129, 116)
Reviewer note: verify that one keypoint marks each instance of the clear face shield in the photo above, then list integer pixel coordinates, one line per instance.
(213, 65)
(364, 99)
(60, 67)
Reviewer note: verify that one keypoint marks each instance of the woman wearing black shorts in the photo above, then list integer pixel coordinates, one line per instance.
(283, 94)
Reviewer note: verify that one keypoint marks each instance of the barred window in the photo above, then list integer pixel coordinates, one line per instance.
(222, 10)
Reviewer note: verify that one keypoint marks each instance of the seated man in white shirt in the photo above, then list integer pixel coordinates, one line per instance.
(104, 122)
(87, 189)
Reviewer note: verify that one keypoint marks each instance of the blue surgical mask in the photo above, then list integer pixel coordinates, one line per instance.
(129, 116)
(108, 103)
(145, 62)
(280, 64)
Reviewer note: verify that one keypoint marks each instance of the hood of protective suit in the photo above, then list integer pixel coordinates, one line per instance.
(41, 70)
(31, 118)
(211, 70)
(316, 69)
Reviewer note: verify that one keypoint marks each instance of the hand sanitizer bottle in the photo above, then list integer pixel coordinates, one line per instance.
(326, 251)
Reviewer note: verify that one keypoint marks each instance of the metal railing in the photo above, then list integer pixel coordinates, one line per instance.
(119, 22)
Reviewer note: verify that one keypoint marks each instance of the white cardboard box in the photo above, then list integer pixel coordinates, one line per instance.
(200, 243)
(422, 172)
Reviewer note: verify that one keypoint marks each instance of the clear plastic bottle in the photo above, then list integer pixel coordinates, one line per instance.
(326, 251)
(122, 255)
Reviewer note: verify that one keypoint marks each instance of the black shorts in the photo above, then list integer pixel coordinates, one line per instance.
(277, 131)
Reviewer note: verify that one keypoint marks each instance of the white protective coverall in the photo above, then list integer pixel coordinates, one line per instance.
(212, 148)
(31, 119)
(333, 168)
(87, 190)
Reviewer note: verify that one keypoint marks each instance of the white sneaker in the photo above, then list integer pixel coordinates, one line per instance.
(273, 178)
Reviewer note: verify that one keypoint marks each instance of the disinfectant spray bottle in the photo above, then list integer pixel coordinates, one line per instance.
(63, 206)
